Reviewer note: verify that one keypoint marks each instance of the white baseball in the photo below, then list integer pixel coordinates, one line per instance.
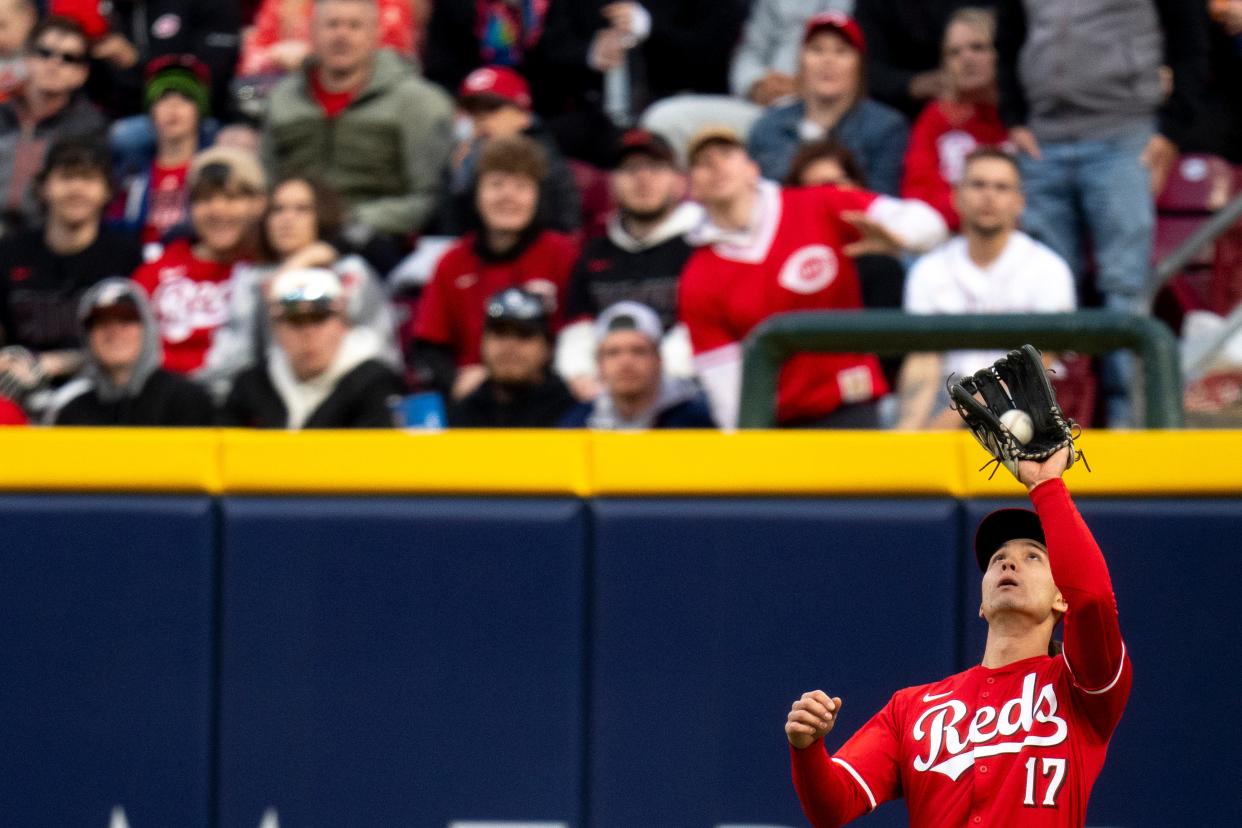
(1020, 425)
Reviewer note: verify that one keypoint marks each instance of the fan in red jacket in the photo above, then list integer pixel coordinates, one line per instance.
(764, 251)
(189, 283)
(1016, 740)
(511, 250)
(952, 128)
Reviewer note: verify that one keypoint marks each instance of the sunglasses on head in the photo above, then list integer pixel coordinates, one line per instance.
(71, 58)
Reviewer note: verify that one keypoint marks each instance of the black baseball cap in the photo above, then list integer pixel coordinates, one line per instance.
(645, 142)
(516, 309)
(1002, 526)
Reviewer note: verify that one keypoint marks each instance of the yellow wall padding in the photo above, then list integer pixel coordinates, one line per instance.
(1191, 463)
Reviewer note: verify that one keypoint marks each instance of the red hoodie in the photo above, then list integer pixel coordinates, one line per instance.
(944, 134)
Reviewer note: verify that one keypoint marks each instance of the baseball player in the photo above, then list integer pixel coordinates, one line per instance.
(1017, 740)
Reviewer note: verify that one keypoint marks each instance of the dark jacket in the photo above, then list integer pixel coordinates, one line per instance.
(680, 405)
(208, 29)
(362, 398)
(151, 397)
(535, 406)
(1073, 69)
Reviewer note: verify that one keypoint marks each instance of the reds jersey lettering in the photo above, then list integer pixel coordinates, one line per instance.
(809, 270)
(184, 305)
(940, 728)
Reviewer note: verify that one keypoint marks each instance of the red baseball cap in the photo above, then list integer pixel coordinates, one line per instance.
(498, 82)
(842, 24)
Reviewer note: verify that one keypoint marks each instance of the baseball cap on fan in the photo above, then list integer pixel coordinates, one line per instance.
(114, 300)
(307, 293)
(842, 24)
(715, 134)
(643, 142)
(629, 316)
(1002, 526)
(490, 86)
(514, 310)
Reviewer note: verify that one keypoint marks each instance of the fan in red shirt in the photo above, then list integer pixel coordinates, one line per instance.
(764, 251)
(510, 250)
(953, 127)
(189, 284)
(1017, 740)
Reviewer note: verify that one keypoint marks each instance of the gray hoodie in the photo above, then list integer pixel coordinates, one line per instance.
(150, 359)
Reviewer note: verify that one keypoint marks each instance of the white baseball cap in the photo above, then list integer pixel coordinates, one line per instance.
(629, 316)
(307, 290)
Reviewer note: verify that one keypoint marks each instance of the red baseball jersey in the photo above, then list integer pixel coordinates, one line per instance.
(190, 299)
(450, 311)
(791, 260)
(944, 134)
(1018, 745)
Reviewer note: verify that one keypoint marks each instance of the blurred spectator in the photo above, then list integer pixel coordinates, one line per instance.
(126, 35)
(462, 37)
(190, 283)
(992, 267)
(154, 198)
(904, 58)
(640, 259)
(511, 250)
(833, 102)
(497, 100)
(17, 20)
(44, 272)
(766, 61)
(951, 128)
(520, 389)
(881, 277)
(763, 251)
(1088, 112)
(122, 383)
(364, 124)
(637, 394)
(1219, 129)
(49, 106)
(618, 57)
(298, 230)
(322, 372)
(280, 40)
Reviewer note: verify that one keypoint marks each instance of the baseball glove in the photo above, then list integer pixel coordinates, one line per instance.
(1019, 381)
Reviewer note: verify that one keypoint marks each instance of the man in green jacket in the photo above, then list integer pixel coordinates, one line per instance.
(359, 119)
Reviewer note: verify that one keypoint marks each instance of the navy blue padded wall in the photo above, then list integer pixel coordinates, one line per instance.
(402, 662)
(1174, 563)
(105, 635)
(711, 617)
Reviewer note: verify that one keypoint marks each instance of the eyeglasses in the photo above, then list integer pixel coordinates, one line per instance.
(71, 58)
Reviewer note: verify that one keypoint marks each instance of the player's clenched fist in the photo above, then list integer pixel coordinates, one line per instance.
(811, 718)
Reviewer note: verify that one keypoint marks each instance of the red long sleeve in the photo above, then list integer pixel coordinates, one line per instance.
(828, 795)
(1093, 646)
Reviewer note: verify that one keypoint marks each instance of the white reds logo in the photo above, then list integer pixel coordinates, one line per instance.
(953, 147)
(184, 305)
(951, 752)
(809, 270)
(480, 79)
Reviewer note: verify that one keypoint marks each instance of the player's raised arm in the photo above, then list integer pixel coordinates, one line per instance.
(1093, 647)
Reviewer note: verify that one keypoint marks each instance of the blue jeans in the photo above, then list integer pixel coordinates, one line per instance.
(1098, 190)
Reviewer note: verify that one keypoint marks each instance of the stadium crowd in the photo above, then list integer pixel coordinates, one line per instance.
(570, 213)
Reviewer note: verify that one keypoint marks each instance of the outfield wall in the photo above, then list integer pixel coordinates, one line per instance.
(601, 630)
